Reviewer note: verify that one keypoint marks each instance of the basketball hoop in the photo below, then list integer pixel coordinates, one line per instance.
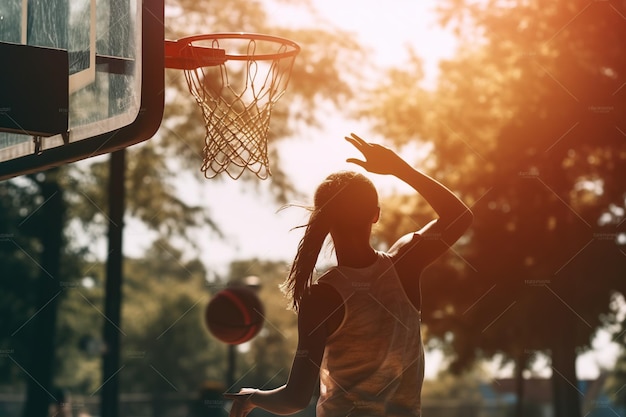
(236, 78)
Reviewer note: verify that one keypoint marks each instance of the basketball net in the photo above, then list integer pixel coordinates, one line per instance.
(236, 97)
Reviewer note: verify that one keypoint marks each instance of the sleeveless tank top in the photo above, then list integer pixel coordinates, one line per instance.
(373, 364)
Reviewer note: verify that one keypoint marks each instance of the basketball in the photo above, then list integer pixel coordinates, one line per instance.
(234, 315)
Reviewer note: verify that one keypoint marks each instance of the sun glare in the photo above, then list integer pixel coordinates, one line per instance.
(405, 26)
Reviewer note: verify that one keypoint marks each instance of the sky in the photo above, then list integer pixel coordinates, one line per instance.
(315, 153)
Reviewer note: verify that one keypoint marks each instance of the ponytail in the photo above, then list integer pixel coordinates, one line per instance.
(300, 276)
(345, 201)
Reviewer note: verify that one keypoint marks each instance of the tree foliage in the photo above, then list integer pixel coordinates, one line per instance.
(37, 267)
(19, 274)
(525, 123)
(167, 349)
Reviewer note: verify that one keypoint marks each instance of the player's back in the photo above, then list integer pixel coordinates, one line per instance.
(373, 363)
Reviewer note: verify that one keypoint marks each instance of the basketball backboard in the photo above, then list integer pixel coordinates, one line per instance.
(78, 78)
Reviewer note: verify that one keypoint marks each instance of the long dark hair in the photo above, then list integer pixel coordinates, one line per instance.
(343, 202)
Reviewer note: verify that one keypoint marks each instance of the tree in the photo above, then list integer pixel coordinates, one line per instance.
(17, 248)
(166, 347)
(39, 265)
(525, 125)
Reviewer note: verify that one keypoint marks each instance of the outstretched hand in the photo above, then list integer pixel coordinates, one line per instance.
(378, 158)
(241, 402)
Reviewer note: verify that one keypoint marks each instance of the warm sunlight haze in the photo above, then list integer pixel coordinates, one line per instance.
(185, 235)
(314, 153)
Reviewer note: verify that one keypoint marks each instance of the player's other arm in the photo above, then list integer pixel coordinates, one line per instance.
(296, 394)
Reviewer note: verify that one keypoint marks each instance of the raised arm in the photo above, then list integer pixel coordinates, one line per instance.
(454, 217)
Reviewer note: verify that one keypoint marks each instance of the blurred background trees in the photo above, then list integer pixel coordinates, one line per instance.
(526, 123)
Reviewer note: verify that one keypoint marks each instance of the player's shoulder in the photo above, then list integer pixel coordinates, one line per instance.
(321, 299)
(322, 292)
(320, 309)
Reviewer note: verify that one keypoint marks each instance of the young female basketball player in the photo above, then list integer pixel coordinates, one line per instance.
(359, 324)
